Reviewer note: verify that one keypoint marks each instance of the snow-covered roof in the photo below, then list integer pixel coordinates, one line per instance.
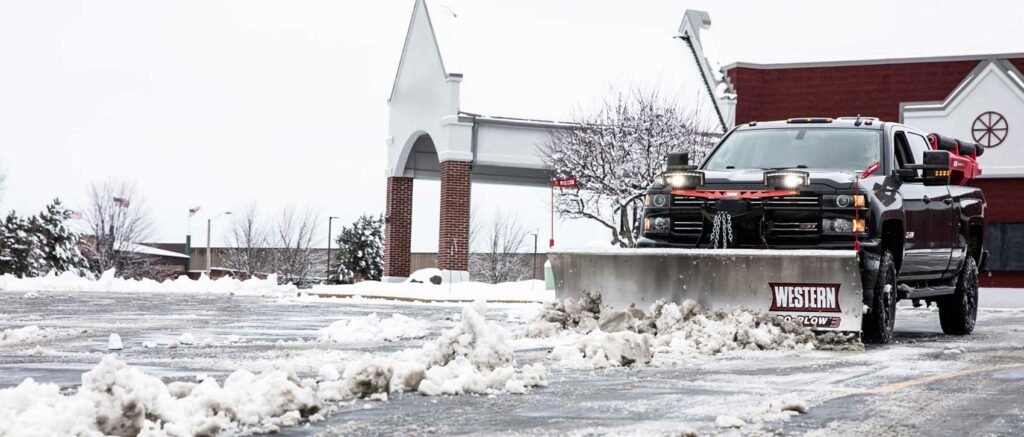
(533, 67)
(150, 250)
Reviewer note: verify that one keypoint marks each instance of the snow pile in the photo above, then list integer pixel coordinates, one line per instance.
(70, 282)
(118, 399)
(474, 357)
(373, 328)
(599, 349)
(28, 334)
(666, 333)
(426, 276)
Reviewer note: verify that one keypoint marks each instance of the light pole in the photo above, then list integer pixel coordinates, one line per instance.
(209, 223)
(330, 220)
(535, 254)
(188, 240)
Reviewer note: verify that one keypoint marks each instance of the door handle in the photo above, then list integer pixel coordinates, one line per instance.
(947, 201)
(927, 199)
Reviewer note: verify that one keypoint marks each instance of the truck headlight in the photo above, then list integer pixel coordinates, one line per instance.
(843, 225)
(661, 223)
(787, 179)
(656, 200)
(656, 224)
(848, 200)
(684, 179)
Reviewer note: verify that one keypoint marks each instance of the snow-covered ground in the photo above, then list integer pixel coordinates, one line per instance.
(524, 291)
(70, 282)
(301, 364)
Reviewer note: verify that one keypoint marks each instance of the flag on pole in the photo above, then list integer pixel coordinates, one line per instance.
(569, 182)
(121, 202)
(193, 211)
(75, 215)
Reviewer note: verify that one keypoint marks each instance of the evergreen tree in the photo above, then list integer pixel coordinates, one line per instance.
(36, 245)
(58, 244)
(361, 250)
(20, 253)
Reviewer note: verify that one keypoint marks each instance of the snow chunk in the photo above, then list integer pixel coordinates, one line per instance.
(328, 373)
(789, 403)
(729, 422)
(114, 343)
(373, 328)
(187, 339)
(600, 349)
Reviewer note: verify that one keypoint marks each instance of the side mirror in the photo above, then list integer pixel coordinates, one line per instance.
(936, 171)
(678, 161)
(906, 174)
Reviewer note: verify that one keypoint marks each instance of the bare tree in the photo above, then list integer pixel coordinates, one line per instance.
(118, 220)
(248, 241)
(501, 261)
(294, 257)
(616, 151)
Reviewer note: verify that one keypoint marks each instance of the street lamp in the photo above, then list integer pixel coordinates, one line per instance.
(330, 220)
(188, 240)
(209, 222)
(534, 254)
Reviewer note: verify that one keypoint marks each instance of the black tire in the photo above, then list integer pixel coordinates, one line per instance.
(958, 312)
(879, 323)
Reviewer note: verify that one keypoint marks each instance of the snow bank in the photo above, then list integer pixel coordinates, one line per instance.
(373, 328)
(70, 282)
(523, 291)
(474, 357)
(118, 399)
(667, 333)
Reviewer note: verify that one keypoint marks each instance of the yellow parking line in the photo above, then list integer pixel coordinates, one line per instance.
(890, 388)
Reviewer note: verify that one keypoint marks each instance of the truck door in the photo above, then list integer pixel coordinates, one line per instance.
(918, 259)
(939, 203)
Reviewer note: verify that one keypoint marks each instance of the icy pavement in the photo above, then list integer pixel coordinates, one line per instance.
(974, 383)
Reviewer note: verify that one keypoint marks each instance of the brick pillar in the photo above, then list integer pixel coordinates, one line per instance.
(453, 253)
(398, 230)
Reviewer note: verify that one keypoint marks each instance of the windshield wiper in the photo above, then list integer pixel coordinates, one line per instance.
(785, 168)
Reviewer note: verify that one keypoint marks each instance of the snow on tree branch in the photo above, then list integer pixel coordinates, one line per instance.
(616, 151)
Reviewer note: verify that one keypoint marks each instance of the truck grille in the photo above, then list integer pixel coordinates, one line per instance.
(794, 202)
(692, 226)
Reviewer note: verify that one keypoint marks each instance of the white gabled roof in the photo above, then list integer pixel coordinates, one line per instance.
(539, 68)
(150, 250)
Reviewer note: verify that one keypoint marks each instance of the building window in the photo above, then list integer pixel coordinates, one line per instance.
(1005, 244)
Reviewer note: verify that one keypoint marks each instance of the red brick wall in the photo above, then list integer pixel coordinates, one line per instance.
(1004, 206)
(1019, 63)
(869, 90)
(398, 230)
(453, 253)
(1003, 197)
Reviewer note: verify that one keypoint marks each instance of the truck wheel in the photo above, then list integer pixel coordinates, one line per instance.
(959, 311)
(879, 323)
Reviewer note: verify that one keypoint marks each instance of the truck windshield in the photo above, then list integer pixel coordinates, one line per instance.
(829, 149)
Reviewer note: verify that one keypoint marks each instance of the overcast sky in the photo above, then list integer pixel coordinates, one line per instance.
(219, 103)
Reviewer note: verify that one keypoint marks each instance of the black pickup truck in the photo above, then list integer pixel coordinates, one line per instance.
(893, 193)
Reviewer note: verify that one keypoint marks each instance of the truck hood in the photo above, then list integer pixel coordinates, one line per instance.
(747, 177)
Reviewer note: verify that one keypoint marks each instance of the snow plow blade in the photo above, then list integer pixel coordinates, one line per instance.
(820, 289)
